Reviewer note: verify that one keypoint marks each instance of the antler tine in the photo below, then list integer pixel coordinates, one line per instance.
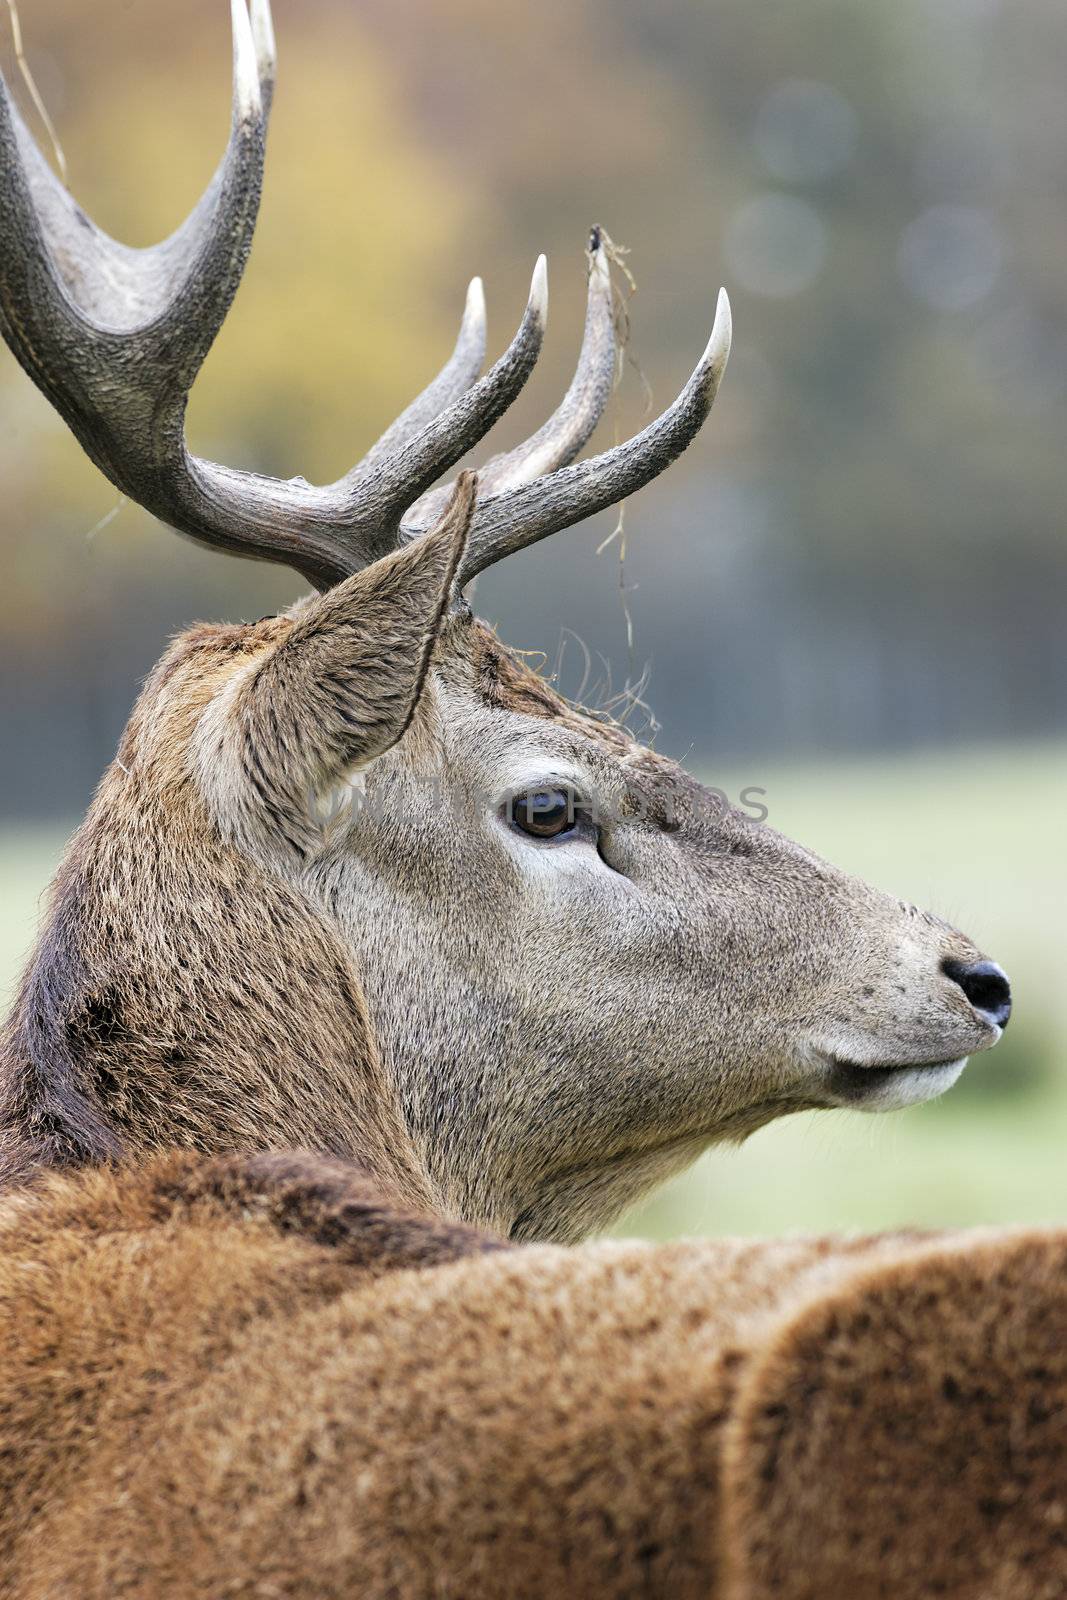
(214, 242)
(380, 491)
(266, 52)
(559, 440)
(521, 517)
(328, 533)
(114, 336)
(454, 378)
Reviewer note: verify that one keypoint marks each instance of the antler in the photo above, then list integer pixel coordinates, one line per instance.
(538, 493)
(115, 337)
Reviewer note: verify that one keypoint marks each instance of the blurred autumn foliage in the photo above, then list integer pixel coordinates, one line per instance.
(867, 547)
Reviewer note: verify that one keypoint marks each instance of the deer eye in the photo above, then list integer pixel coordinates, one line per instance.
(544, 813)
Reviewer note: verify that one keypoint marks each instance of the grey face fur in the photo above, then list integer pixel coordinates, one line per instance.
(517, 1031)
(568, 1021)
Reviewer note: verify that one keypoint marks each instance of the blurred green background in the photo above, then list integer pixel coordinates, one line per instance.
(849, 592)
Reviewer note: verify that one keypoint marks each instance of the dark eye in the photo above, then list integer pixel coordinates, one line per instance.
(544, 813)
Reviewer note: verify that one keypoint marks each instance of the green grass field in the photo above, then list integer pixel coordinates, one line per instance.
(975, 836)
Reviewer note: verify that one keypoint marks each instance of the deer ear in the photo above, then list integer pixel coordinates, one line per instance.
(338, 691)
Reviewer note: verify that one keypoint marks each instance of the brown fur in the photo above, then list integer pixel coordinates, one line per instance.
(231, 1370)
(904, 1434)
(254, 1378)
(218, 969)
(287, 1078)
(181, 993)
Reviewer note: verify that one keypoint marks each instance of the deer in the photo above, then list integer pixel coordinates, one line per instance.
(378, 978)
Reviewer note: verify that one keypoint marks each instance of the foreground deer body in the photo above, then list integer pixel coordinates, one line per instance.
(252, 1377)
(361, 885)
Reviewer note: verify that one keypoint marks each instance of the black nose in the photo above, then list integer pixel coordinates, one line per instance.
(985, 985)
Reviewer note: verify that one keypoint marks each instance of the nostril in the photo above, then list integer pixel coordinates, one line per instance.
(985, 985)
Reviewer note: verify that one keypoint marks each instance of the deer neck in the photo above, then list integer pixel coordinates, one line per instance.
(180, 995)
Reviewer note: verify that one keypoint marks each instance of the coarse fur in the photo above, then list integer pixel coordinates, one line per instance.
(523, 1034)
(324, 1052)
(242, 1368)
(251, 1377)
(300, 912)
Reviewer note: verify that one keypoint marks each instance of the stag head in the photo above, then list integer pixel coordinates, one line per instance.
(358, 880)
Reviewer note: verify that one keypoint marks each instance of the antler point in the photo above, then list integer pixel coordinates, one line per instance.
(474, 310)
(538, 302)
(718, 348)
(263, 34)
(247, 100)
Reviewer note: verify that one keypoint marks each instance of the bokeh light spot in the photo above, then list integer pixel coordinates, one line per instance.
(950, 256)
(776, 245)
(805, 131)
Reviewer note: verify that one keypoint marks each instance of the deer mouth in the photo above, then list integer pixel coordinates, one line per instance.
(888, 1088)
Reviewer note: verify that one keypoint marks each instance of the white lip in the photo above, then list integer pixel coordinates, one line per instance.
(891, 1088)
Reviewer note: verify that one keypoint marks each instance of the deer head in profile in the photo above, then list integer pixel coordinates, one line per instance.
(360, 881)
